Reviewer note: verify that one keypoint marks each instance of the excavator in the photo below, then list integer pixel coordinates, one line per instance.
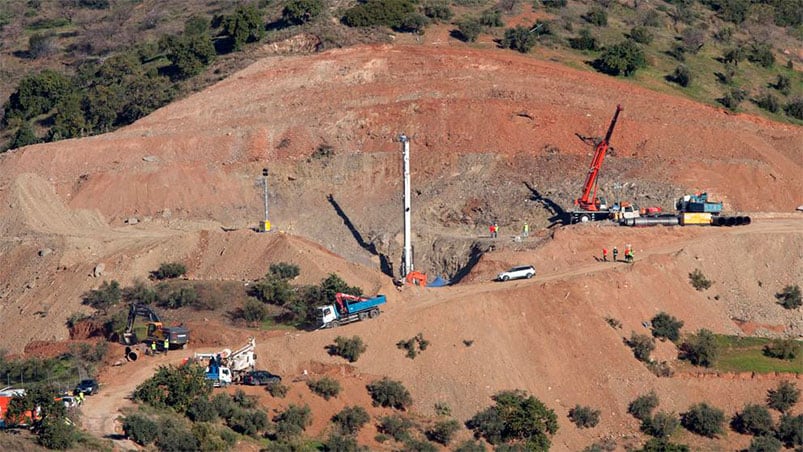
(177, 336)
(589, 207)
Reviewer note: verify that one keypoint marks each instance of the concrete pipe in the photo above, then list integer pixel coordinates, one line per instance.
(746, 220)
(730, 221)
(738, 221)
(132, 356)
(718, 221)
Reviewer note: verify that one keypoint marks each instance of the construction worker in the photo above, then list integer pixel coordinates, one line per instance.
(166, 345)
(491, 230)
(81, 398)
(496, 230)
(526, 230)
(629, 256)
(615, 253)
(153, 348)
(605, 255)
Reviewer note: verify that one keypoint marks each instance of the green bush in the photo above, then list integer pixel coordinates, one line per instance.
(783, 84)
(783, 397)
(277, 389)
(302, 11)
(174, 436)
(516, 417)
(470, 445)
(174, 387)
(795, 109)
(292, 422)
(642, 406)
(202, 410)
(585, 41)
(491, 17)
(104, 297)
(698, 280)
(341, 443)
(224, 406)
(248, 422)
(554, 4)
(584, 416)
(596, 16)
(396, 426)
(253, 311)
(642, 346)
(183, 296)
(35, 95)
(682, 75)
(761, 54)
(443, 431)
(273, 289)
(140, 429)
(189, 54)
(350, 420)
(243, 26)
(414, 345)
(390, 393)
(213, 438)
(519, 38)
(754, 420)
(701, 349)
(469, 28)
(769, 102)
(641, 34)
(351, 349)
(790, 297)
(56, 433)
(790, 430)
(244, 400)
(704, 420)
(284, 270)
(665, 326)
(389, 13)
(419, 445)
(170, 270)
(24, 136)
(41, 45)
(765, 444)
(438, 10)
(624, 58)
(662, 425)
(663, 445)
(782, 349)
(325, 387)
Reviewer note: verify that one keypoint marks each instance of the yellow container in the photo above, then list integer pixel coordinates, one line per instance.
(700, 218)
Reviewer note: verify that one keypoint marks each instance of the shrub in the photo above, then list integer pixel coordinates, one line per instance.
(175, 437)
(769, 102)
(642, 406)
(189, 53)
(469, 28)
(350, 420)
(438, 11)
(35, 95)
(584, 416)
(693, 39)
(56, 433)
(761, 54)
(243, 26)
(413, 444)
(754, 420)
(704, 420)
(586, 41)
(140, 429)
(665, 326)
(351, 349)
(414, 345)
(301, 11)
(443, 431)
(641, 34)
(389, 13)
(698, 280)
(651, 18)
(491, 18)
(765, 444)
(273, 289)
(519, 38)
(724, 34)
(682, 76)
(442, 409)
(213, 438)
(244, 400)
(284, 270)
(733, 98)
(783, 84)
(783, 397)
(470, 445)
(396, 426)
(183, 296)
(516, 417)
(782, 349)
(24, 136)
(596, 16)
(253, 311)
(248, 422)
(104, 297)
(291, 422)
(341, 443)
(701, 349)
(170, 270)
(224, 406)
(325, 387)
(663, 445)
(277, 389)
(662, 425)
(139, 293)
(623, 58)
(390, 393)
(202, 410)
(642, 346)
(41, 45)
(174, 387)
(795, 109)
(790, 430)
(554, 3)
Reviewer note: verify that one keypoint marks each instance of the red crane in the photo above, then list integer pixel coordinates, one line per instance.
(589, 200)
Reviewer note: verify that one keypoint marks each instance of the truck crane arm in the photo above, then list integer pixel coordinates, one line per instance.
(589, 199)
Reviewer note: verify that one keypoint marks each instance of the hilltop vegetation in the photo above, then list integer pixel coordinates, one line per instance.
(79, 67)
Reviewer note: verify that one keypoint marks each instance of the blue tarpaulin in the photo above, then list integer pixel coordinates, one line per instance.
(438, 282)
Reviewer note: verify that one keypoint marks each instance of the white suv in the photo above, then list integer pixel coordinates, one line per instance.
(524, 271)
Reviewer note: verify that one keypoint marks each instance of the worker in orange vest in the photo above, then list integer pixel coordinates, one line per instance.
(605, 254)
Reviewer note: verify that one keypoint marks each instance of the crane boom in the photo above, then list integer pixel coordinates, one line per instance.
(589, 200)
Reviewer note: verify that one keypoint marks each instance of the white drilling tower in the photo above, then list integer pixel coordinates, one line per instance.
(407, 259)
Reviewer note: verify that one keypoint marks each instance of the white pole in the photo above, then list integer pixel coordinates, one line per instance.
(407, 264)
(265, 224)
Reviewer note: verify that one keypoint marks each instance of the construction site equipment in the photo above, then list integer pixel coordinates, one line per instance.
(349, 308)
(698, 209)
(698, 203)
(590, 207)
(694, 218)
(226, 367)
(671, 220)
(731, 220)
(416, 278)
(177, 336)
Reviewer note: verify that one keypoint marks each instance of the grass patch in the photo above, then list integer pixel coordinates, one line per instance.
(745, 354)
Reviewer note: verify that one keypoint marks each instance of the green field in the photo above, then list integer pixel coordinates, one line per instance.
(745, 354)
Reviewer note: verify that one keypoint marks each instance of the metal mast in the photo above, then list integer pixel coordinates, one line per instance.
(407, 263)
(266, 223)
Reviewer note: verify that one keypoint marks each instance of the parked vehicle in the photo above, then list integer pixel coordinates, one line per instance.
(523, 271)
(349, 309)
(88, 387)
(260, 377)
(225, 367)
(177, 336)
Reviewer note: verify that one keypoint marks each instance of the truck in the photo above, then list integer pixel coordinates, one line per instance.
(698, 203)
(177, 336)
(227, 367)
(348, 309)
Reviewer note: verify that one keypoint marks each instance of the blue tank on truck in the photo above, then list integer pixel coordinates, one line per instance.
(348, 309)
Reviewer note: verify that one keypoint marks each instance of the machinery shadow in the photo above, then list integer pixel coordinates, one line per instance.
(559, 216)
(473, 258)
(384, 263)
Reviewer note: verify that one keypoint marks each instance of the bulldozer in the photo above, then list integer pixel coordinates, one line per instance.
(155, 330)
